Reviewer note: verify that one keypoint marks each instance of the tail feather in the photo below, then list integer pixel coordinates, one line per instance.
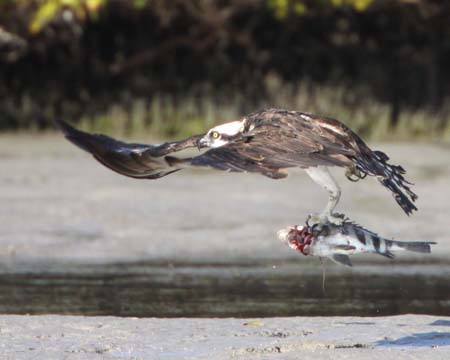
(375, 163)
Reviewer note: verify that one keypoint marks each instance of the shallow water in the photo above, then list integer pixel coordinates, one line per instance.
(238, 290)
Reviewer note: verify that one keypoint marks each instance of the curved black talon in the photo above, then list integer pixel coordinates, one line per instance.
(316, 229)
(340, 216)
(308, 219)
(355, 175)
(353, 179)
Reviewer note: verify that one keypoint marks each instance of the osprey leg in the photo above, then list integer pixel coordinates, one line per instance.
(323, 177)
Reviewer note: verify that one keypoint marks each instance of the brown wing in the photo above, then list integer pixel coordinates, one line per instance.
(276, 140)
(134, 160)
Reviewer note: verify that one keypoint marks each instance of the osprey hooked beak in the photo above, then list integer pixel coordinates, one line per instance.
(203, 142)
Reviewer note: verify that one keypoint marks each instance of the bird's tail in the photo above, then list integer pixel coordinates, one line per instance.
(375, 163)
(415, 246)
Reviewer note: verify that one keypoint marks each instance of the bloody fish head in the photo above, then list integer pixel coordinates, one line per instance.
(299, 237)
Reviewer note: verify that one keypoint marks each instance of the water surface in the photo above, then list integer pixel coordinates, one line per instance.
(219, 290)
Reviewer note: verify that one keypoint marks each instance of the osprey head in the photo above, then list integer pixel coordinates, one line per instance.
(221, 135)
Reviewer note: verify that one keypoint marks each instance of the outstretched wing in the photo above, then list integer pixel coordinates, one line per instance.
(276, 140)
(134, 160)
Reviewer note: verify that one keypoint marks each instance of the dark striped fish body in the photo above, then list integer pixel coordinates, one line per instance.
(339, 242)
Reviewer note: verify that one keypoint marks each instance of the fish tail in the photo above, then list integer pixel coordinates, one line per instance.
(415, 246)
(375, 163)
(376, 244)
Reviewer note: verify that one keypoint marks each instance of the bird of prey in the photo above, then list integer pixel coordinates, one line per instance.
(267, 142)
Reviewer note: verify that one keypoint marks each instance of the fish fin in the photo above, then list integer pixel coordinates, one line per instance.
(345, 247)
(342, 259)
(388, 254)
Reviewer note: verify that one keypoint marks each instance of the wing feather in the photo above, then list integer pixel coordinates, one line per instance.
(130, 159)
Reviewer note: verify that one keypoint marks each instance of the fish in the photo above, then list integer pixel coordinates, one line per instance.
(339, 242)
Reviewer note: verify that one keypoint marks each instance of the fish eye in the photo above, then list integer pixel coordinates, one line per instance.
(215, 135)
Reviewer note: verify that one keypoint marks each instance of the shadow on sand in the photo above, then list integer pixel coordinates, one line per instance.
(441, 323)
(428, 339)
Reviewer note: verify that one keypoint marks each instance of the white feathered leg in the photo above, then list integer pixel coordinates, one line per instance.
(323, 177)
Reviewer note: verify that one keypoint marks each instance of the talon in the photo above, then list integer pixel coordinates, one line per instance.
(336, 219)
(308, 219)
(316, 228)
(315, 219)
(323, 219)
(353, 178)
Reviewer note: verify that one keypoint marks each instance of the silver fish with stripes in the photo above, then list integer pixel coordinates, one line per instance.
(338, 242)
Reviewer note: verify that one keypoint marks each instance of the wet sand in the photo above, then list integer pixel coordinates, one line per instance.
(69, 337)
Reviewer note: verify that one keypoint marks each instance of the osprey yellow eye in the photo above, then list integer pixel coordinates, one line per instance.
(215, 135)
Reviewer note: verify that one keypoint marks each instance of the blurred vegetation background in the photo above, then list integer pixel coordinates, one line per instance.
(171, 68)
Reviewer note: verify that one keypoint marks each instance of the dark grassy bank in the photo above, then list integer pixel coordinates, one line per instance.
(173, 68)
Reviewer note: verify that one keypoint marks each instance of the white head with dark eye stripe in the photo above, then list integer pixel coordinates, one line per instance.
(221, 134)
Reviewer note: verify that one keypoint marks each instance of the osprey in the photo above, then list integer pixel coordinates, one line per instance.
(267, 142)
